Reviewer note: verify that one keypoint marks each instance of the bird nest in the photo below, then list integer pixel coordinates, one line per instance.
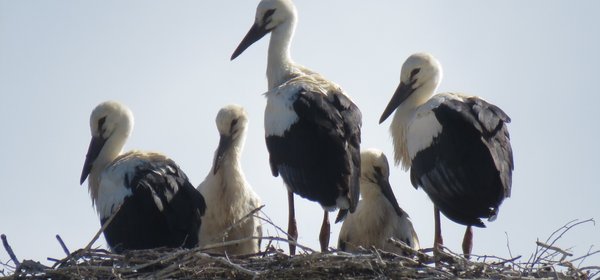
(548, 261)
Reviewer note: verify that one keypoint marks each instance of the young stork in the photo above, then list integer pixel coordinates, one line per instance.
(378, 217)
(157, 205)
(312, 128)
(229, 197)
(456, 146)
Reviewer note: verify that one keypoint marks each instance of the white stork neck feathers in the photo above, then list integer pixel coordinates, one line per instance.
(282, 18)
(231, 123)
(419, 78)
(111, 124)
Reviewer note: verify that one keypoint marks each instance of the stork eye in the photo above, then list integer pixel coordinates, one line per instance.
(378, 171)
(267, 17)
(414, 72)
(234, 122)
(100, 127)
(101, 122)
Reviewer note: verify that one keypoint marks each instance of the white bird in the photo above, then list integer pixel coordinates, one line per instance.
(228, 195)
(456, 146)
(378, 217)
(157, 205)
(312, 128)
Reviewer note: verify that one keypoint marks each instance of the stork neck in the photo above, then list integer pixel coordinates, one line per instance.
(279, 63)
(110, 151)
(368, 189)
(233, 155)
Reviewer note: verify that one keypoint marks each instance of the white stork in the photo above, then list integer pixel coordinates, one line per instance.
(456, 146)
(378, 217)
(228, 195)
(157, 205)
(312, 128)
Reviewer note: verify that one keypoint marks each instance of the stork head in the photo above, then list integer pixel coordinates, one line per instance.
(110, 123)
(374, 169)
(421, 74)
(269, 15)
(231, 123)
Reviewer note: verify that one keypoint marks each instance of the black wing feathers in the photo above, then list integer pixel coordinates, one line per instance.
(468, 167)
(319, 157)
(142, 224)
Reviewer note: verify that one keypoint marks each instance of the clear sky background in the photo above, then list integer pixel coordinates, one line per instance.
(169, 62)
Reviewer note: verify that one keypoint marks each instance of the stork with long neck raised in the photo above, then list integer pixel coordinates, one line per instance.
(312, 128)
(456, 146)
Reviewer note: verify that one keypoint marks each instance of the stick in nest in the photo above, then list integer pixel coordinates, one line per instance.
(104, 226)
(270, 238)
(538, 256)
(62, 245)
(244, 218)
(9, 250)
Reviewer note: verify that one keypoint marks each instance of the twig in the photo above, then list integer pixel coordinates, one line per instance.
(407, 249)
(237, 267)
(62, 244)
(587, 255)
(104, 226)
(508, 245)
(271, 238)
(535, 259)
(9, 250)
(225, 232)
(268, 221)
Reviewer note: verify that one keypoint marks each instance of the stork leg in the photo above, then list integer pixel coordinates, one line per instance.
(325, 232)
(292, 229)
(467, 245)
(438, 241)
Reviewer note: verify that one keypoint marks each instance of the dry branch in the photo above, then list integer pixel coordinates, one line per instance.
(9, 250)
(550, 262)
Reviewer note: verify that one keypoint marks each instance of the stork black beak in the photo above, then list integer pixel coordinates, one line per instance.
(255, 33)
(93, 151)
(386, 189)
(224, 144)
(402, 93)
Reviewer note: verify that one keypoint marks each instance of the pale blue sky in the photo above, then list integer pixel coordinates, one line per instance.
(169, 62)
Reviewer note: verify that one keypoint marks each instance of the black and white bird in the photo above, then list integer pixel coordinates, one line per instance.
(229, 197)
(456, 146)
(378, 217)
(312, 127)
(157, 205)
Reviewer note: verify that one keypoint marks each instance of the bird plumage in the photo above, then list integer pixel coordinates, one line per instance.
(457, 146)
(301, 107)
(378, 217)
(157, 205)
(229, 197)
(317, 152)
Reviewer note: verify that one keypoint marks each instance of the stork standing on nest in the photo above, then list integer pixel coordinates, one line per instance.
(228, 195)
(312, 127)
(378, 217)
(456, 146)
(157, 205)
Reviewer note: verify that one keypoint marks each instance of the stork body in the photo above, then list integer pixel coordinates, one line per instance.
(378, 217)
(456, 146)
(157, 205)
(228, 195)
(312, 128)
